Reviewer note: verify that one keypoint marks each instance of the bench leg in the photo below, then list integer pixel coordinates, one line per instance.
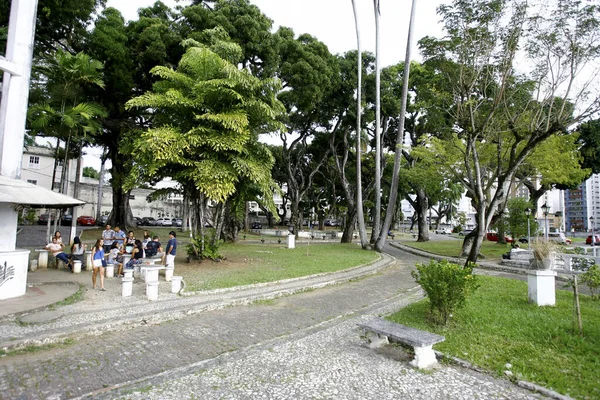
(375, 340)
(424, 357)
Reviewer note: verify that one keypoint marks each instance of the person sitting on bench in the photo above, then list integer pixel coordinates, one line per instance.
(57, 251)
(153, 247)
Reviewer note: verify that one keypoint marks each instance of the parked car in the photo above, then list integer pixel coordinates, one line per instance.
(102, 221)
(558, 237)
(148, 221)
(331, 222)
(138, 221)
(493, 237)
(596, 241)
(465, 232)
(66, 219)
(164, 222)
(43, 219)
(177, 222)
(256, 225)
(86, 220)
(523, 239)
(443, 231)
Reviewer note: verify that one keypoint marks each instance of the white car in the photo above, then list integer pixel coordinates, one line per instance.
(164, 222)
(443, 231)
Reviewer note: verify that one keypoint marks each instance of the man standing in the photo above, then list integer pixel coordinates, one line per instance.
(119, 237)
(108, 236)
(171, 249)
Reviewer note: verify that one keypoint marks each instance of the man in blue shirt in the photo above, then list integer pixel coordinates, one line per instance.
(171, 249)
(119, 237)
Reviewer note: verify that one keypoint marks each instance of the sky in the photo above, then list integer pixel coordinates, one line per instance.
(330, 21)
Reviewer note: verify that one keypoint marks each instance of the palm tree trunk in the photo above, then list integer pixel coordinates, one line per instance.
(377, 213)
(399, 137)
(359, 201)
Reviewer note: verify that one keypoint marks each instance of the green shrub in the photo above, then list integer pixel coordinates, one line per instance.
(209, 249)
(591, 278)
(447, 286)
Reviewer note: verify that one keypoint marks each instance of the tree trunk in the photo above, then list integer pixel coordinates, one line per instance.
(399, 137)
(364, 241)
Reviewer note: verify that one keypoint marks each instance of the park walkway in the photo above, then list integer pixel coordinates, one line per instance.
(291, 347)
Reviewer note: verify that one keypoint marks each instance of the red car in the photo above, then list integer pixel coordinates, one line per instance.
(86, 220)
(493, 237)
(588, 240)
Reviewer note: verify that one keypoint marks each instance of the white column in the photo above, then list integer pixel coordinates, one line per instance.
(15, 87)
(13, 105)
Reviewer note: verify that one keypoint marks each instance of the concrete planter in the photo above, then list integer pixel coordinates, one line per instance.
(541, 287)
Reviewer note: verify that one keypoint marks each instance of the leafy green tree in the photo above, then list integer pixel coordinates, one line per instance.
(91, 172)
(128, 53)
(60, 24)
(589, 140)
(208, 115)
(501, 117)
(516, 218)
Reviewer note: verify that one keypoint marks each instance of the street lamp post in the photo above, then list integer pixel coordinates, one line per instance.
(545, 209)
(528, 213)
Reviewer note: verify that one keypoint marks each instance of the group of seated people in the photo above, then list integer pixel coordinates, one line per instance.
(116, 244)
(57, 249)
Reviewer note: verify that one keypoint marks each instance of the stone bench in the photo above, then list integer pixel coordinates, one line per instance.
(379, 332)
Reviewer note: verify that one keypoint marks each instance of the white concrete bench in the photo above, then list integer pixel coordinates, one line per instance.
(379, 332)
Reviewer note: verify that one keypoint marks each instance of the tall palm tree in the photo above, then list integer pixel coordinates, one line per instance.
(391, 207)
(63, 115)
(377, 216)
(359, 200)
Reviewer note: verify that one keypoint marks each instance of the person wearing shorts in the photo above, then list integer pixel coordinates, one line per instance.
(98, 263)
(171, 249)
(107, 235)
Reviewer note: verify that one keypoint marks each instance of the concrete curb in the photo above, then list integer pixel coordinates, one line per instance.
(78, 324)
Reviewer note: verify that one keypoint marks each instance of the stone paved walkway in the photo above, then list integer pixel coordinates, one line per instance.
(293, 347)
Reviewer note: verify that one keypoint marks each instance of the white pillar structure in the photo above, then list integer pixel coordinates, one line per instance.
(15, 85)
(13, 113)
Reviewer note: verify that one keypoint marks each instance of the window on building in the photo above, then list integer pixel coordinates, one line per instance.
(34, 162)
(32, 181)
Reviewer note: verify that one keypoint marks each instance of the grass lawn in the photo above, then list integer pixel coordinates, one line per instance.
(498, 326)
(451, 248)
(248, 263)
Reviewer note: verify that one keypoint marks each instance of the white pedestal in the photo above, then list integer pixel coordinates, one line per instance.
(150, 272)
(42, 258)
(291, 242)
(33, 265)
(176, 284)
(541, 287)
(152, 290)
(13, 273)
(127, 289)
(169, 273)
(424, 357)
(76, 267)
(88, 260)
(110, 270)
(126, 258)
(128, 273)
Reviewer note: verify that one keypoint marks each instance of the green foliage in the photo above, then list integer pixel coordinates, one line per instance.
(447, 286)
(205, 247)
(90, 172)
(516, 220)
(591, 278)
(208, 117)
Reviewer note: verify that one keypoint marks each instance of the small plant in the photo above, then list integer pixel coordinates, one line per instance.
(591, 278)
(542, 252)
(201, 248)
(447, 286)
